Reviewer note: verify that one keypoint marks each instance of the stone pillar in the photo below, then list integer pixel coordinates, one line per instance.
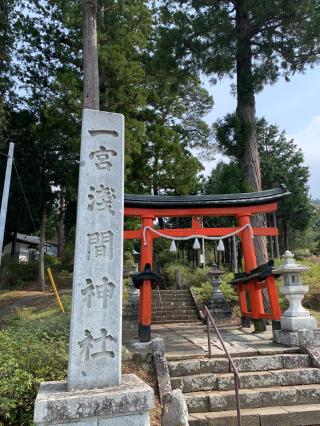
(296, 318)
(96, 393)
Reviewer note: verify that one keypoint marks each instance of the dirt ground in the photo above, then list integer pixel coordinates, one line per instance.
(10, 301)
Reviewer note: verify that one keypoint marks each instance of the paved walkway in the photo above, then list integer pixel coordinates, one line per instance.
(188, 340)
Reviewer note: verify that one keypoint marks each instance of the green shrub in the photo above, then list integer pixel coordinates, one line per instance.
(14, 273)
(170, 273)
(228, 289)
(198, 276)
(301, 253)
(204, 291)
(32, 349)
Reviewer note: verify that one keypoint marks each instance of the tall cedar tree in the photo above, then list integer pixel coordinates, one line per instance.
(255, 41)
(281, 162)
(6, 44)
(90, 55)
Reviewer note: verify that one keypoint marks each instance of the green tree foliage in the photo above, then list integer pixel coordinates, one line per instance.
(124, 29)
(255, 41)
(44, 121)
(6, 44)
(163, 104)
(315, 226)
(281, 163)
(174, 126)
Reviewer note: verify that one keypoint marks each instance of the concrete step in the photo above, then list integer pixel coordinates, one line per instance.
(248, 380)
(173, 291)
(175, 317)
(175, 305)
(182, 310)
(244, 364)
(253, 398)
(285, 415)
(166, 299)
(170, 292)
(166, 321)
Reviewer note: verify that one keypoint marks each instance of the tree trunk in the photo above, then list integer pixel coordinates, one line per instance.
(42, 281)
(286, 239)
(90, 55)
(14, 243)
(61, 229)
(276, 238)
(246, 115)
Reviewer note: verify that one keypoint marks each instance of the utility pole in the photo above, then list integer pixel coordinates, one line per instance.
(5, 196)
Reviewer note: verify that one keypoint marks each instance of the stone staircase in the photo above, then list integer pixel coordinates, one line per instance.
(278, 389)
(170, 306)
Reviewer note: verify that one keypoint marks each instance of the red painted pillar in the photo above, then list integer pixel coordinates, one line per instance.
(250, 262)
(249, 254)
(145, 300)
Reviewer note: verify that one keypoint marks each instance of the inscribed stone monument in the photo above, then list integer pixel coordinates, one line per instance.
(95, 393)
(95, 341)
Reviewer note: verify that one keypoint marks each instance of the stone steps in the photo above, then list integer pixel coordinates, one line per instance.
(166, 321)
(173, 306)
(276, 389)
(171, 299)
(172, 315)
(176, 318)
(171, 291)
(244, 364)
(285, 415)
(253, 398)
(248, 380)
(168, 309)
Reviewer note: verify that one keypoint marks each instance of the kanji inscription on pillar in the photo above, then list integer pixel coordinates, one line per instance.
(95, 336)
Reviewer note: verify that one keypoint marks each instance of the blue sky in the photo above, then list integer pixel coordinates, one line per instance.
(294, 106)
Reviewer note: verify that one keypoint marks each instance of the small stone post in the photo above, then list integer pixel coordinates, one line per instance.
(96, 393)
(296, 318)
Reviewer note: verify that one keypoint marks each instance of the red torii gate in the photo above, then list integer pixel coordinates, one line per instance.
(240, 206)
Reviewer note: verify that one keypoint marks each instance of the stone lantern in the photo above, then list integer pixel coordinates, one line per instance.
(218, 304)
(215, 275)
(296, 317)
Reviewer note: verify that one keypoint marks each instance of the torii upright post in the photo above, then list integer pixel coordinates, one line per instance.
(146, 288)
(5, 196)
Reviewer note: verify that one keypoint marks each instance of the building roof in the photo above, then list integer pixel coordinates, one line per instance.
(30, 239)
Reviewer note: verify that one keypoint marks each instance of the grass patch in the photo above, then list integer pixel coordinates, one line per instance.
(33, 349)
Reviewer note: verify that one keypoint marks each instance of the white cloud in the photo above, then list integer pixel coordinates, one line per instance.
(308, 139)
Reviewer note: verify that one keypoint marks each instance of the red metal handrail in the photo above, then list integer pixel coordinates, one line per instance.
(209, 320)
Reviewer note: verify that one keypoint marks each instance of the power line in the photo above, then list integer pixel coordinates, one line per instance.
(24, 195)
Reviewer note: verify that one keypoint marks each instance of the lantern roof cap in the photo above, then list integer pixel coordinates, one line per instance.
(215, 270)
(289, 265)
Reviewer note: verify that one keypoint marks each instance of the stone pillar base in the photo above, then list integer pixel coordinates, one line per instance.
(127, 404)
(298, 323)
(297, 338)
(286, 338)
